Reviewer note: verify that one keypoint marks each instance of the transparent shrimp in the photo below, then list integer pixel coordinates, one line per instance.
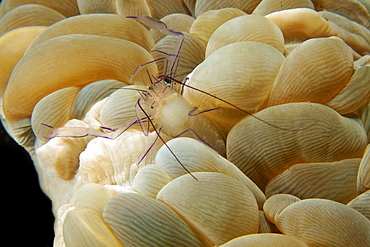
(167, 110)
(175, 116)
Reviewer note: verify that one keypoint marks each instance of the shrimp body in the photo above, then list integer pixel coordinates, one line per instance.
(175, 106)
(160, 108)
(176, 116)
(168, 108)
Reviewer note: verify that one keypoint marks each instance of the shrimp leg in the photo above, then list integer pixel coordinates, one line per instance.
(150, 148)
(144, 127)
(138, 68)
(77, 132)
(162, 28)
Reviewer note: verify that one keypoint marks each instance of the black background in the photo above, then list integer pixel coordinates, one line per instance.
(25, 208)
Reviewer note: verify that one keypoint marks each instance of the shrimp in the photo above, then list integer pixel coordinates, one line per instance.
(167, 111)
(176, 116)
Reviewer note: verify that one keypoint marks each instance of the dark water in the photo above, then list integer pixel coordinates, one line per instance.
(26, 210)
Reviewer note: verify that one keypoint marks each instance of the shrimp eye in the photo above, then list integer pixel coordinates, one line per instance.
(167, 80)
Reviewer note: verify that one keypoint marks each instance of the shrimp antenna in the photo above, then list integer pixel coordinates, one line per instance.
(134, 89)
(151, 78)
(142, 92)
(164, 142)
(240, 109)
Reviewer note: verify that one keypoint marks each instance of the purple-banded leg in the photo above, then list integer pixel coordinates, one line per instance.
(143, 122)
(162, 28)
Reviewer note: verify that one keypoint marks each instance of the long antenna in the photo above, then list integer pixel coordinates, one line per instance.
(240, 109)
